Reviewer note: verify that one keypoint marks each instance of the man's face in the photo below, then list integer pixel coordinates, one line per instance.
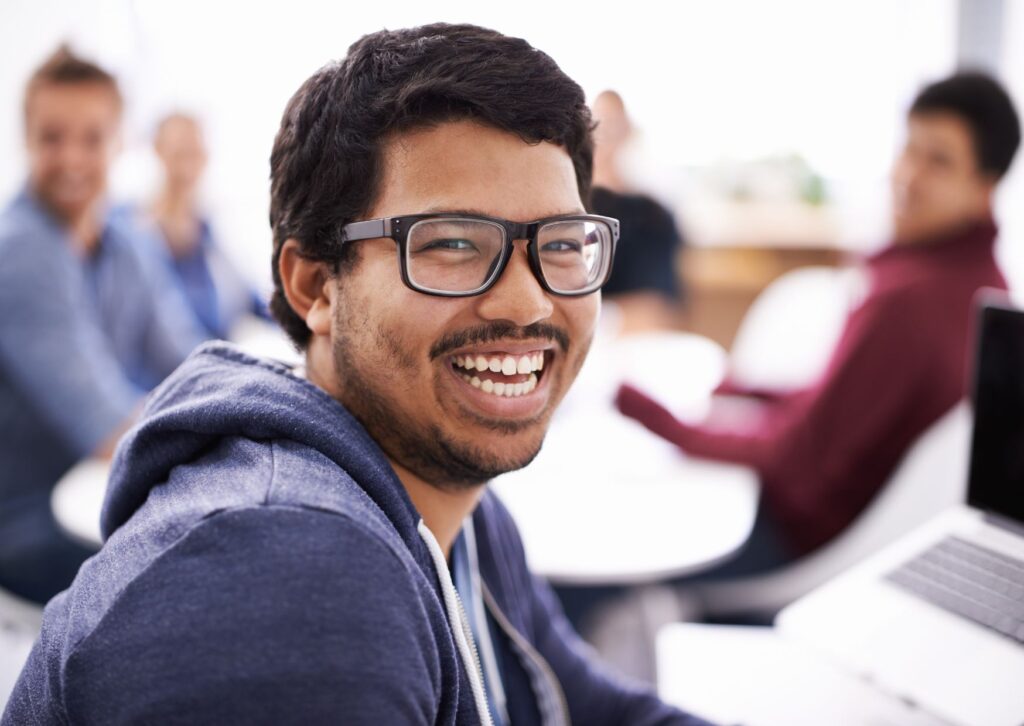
(179, 145)
(936, 184)
(399, 356)
(71, 133)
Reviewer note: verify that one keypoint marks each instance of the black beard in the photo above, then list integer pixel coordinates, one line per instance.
(432, 455)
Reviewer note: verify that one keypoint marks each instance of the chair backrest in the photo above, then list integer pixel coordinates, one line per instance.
(789, 332)
(931, 477)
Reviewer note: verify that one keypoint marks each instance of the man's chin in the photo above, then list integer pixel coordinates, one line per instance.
(469, 465)
(67, 209)
(521, 461)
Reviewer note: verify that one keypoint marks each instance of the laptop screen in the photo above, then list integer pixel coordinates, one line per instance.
(997, 449)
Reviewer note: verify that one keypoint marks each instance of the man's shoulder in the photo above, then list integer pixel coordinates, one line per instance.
(280, 549)
(249, 595)
(260, 483)
(26, 232)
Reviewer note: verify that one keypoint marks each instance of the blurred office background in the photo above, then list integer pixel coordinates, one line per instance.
(768, 128)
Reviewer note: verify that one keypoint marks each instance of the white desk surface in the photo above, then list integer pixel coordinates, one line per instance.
(78, 499)
(753, 676)
(605, 502)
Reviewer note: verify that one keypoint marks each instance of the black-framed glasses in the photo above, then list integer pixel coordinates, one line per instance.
(458, 255)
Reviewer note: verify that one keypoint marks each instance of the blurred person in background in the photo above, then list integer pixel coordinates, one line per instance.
(87, 324)
(218, 294)
(824, 452)
(644, 284)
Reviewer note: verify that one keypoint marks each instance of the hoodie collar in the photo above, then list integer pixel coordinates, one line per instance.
(220, 392)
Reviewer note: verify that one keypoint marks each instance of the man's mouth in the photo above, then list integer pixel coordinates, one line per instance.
(507, 375)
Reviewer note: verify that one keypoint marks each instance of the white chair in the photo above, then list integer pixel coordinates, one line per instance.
(931, 477)
(787, 336)
(20, 621)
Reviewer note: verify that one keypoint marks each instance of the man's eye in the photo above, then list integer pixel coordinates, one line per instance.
(449, 243)
(50, 137)
(562, 245)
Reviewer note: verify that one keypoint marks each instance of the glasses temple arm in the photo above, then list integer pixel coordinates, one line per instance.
(369, 229)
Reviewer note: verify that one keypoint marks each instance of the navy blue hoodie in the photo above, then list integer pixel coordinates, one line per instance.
(263, 564)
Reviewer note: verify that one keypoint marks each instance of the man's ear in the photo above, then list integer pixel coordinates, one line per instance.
(305, 285)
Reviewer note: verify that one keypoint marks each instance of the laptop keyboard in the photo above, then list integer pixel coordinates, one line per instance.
(969, 580)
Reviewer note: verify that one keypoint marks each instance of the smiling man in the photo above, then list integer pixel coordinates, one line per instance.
(87, 323)
(318, 545)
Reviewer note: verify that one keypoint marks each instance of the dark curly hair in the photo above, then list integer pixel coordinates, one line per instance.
(325, 168)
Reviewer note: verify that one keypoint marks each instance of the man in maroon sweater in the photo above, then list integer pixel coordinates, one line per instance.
(823, 453)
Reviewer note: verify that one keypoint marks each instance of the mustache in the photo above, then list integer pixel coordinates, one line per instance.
(499, 330)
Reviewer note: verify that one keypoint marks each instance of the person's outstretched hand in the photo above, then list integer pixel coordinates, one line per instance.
(638, 405)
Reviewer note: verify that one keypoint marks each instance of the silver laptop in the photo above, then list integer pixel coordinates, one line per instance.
(937, 619)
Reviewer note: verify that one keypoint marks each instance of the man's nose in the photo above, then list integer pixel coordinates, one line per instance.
(905, 172)
(72, 155)
(517, 295)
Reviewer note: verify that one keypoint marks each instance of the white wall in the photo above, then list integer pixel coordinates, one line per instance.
(1010, 202)
(704, 80)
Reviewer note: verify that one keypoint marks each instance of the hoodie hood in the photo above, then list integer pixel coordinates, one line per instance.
(219, 392)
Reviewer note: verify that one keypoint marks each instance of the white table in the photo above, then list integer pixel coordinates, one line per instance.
(261, 339)
(78, 499)
(756, 677)
(606, 502)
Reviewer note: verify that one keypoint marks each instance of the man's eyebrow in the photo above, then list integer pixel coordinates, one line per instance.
(481, 213)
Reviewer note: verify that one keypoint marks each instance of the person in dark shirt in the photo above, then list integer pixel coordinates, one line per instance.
(645, 262)
(644, 284)
(824, 452)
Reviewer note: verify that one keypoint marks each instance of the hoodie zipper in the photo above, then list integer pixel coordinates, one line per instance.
(476, 657)
(460, 625)
(554, 709)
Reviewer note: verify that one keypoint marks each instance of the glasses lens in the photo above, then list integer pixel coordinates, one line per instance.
(453, 255)
(574, 254)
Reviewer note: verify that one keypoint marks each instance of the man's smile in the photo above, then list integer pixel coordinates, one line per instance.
(505, 380)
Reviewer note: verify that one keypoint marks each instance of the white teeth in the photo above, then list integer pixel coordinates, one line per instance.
(500, 388)
(507, 365)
